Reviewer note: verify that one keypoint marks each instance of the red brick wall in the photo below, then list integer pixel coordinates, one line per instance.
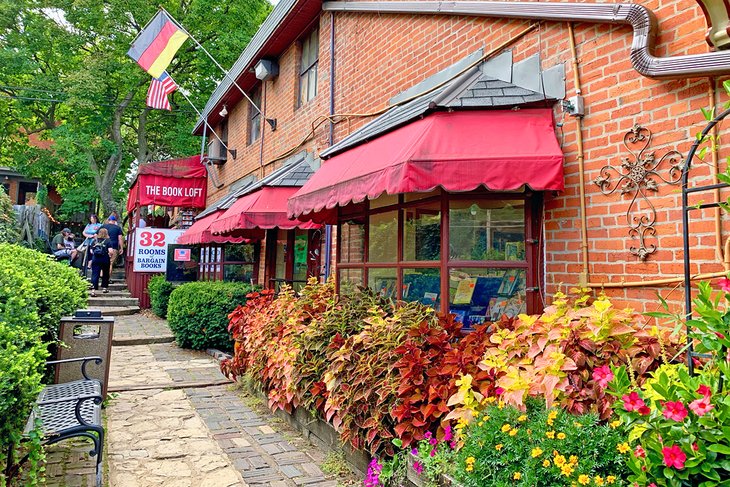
(378, 56)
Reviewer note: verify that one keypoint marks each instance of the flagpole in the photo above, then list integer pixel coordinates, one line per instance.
(227, 74)
(205, 120)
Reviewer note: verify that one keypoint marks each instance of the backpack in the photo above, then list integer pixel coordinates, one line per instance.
(99, 250)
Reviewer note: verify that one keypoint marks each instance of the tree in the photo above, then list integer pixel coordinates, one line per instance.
(73, 102)
(9, 232)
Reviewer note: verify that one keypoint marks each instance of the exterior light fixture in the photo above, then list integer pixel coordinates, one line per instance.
(223, 112)
(272, 123)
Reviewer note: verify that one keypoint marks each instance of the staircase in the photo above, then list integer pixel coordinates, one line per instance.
(118, 302)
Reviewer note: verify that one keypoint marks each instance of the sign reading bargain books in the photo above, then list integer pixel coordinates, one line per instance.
(151, 248)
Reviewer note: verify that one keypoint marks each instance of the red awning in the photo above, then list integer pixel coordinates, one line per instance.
(199, 232)
(457, 151)
(263, 209)
(175, 182)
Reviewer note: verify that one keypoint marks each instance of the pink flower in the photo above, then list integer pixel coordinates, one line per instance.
(639, 452)
(632, 402)
(499, 391)
(724, 284)
(695, 446)
(433, 452)
(651, 485)
(643, 410)
(704, 390)
(674, 410)
(674, 457)
(433, 441)
(701, 406)
(602, 375)
(414, 452)
(419, 468)
(448, 434)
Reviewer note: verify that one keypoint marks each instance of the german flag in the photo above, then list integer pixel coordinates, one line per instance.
(155, 46)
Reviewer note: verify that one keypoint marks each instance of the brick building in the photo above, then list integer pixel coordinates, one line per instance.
(340, 82)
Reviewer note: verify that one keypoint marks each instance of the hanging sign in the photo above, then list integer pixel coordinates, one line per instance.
(151, 248)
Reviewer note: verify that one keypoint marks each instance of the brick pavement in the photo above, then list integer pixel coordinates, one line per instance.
(198, 437)
(143, 324)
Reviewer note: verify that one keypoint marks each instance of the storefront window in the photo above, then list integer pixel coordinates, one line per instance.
(383, 237)
(487, 230)
(422, 233)
(300, 260)
(238, 272)
(281, 249)
(489, 269)
(229, 262)
(383, 282)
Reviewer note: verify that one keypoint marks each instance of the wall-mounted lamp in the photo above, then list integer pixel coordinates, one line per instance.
(233, 153)
(272, 123)
(223, 112)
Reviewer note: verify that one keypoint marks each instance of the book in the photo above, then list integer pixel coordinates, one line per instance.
(465, 290)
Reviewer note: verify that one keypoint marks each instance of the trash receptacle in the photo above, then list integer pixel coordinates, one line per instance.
(85, 334)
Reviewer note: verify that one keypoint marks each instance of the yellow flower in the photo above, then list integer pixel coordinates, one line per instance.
(546, 463)
(522, 418)
(566, 470)
(469, 468)
(614, 424)
(490, 399)
(498, 447)
(610, 479)
(559, 461)
(598, 480)
(550, 434)
(480, 423)
(470, 460)
(584, 479)
(623, 447)
(561, 436)
(573, 460)
(513, 432)
(536, 452)
(552, 415)
(529, 431)
(517, 476)
(577, 424)
(506, 427)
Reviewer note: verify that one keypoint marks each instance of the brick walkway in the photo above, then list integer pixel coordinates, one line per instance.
(161, 432)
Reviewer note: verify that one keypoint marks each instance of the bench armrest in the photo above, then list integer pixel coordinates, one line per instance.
(77, 408)
(85, 360)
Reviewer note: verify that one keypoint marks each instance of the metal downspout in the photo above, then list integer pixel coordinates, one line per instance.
(330, 140)
(641, 19)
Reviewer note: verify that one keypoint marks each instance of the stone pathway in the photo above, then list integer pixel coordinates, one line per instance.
(167, 426)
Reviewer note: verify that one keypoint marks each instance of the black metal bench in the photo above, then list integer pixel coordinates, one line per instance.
(69, 410)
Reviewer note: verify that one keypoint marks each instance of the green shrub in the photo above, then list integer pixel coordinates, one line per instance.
(57, 289)
(159, 290)
(198, 313)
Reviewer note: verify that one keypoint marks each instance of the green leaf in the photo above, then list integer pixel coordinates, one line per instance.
(719, 448)
(726, 86)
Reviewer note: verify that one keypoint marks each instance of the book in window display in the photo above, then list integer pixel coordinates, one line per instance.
(510, 282)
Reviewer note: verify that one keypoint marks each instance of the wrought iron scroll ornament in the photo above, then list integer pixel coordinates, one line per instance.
(638, 175)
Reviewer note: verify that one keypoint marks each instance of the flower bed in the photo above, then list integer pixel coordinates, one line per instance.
(391, 376)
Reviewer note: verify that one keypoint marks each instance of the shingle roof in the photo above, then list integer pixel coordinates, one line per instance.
(477, 87)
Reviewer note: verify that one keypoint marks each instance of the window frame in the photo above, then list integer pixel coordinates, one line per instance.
(308, 69)
(445, 264)
(254, 116)
(212, 262)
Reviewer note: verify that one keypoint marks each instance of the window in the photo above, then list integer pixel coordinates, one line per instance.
(292, 256)
(308, 67)
(254, 116)
(397, 246)
(229, 262)
(216, 149)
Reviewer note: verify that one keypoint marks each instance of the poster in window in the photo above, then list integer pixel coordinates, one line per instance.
(510, 282)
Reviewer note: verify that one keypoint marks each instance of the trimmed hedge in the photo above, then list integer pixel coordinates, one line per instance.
(35, 291)
(198, 313)
(159, 290)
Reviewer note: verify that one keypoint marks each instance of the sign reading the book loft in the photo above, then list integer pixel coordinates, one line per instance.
(151, 248)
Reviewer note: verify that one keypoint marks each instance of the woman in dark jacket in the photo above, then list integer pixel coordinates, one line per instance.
(100, 249)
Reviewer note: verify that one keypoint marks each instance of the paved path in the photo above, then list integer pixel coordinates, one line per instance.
(161, 432)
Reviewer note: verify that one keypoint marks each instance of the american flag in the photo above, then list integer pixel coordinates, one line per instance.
(159, 89)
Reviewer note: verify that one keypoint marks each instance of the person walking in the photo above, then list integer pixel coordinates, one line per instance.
(101, 251)
(116, 239)
(89, 233)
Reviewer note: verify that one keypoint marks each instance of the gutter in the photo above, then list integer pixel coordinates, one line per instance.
(641, 19)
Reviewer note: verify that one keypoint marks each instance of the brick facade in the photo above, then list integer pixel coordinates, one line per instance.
(378, 56)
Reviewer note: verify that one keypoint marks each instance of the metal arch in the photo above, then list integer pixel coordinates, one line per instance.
(685, 226)
(637, 176)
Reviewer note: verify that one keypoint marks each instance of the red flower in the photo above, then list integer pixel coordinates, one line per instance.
(704, 390)
(632, 402)
(695, 446)
(674, 410)
(724, 284)
(674, 457)
(701, 406)
(639, 452)
(719, 335)
(643, 410)
(602, 375)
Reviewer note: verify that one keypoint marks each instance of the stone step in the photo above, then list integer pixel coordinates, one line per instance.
(116, 310)
(114, 301)
(115, 293)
